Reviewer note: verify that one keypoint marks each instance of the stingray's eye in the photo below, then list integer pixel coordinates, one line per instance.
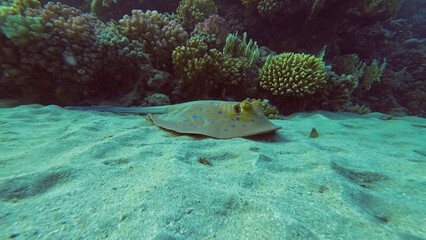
(246, 106)
(237, 108)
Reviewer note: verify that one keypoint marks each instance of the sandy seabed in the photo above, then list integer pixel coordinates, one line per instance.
(97, 175)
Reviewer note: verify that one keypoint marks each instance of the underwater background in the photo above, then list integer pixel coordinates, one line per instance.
(356, 56)
(339, 153)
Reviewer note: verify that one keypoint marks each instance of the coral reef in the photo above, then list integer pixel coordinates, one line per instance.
(107, 10)
(159, 34)
(372, 74)
(156, 99)
(191, 12)
(194, 62)
(205, 70)
(349, 64)
(293, 74)
(216, 26)
(336, 94)
(68, 66)
(17, 7)
(18, 27)
(54, 53)
(234, 47)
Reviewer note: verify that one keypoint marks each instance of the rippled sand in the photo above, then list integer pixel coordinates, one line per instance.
(91, 175)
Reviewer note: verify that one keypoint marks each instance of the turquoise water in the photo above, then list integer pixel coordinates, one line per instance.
(352, 70)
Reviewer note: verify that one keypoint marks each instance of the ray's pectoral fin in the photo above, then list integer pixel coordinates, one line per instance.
(216, 119)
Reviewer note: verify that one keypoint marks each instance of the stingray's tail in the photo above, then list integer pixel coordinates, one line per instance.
(144, 110)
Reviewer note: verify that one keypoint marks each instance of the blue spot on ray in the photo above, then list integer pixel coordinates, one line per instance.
(185, 120)
(220, 112)
(194, 116)
(244, 125)
(213, 122)
(233, 125)
(238, 119)
(252, 120)
(225, 130)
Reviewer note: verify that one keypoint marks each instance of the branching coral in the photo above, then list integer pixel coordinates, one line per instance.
(81, 58)
(159, 34)
(270, 8)
(273, 9)
(293, 74)
(207, 70)
(216, 26)
(235, 47)
(336, 94)
(372, 74)
(204, 71)
(19, 27)
(197, 66)
(365, 75)
(349, 64)
(12, 7)
(42, 65)
(191, 12)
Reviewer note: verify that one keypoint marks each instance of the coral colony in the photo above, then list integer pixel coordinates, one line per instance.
(301, 55)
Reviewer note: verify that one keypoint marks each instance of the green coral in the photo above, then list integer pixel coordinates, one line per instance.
(363, 75)
(18, 27)
(190, 12)
(17, 7)
(241, 49)
(204, 71)
(270, 8)
(22, 30)
(372, 74)
(197, 66)
(210, 39)
(157, 32)
(293, 74)
(349, 64)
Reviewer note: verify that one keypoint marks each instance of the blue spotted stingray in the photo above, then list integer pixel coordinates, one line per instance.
(217, 119)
